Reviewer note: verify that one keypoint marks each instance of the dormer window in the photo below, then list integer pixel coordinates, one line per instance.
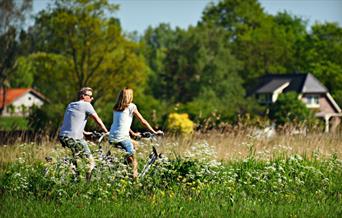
(312, 100)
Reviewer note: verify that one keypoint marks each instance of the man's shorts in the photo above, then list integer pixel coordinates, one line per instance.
(79, 147)
(127, 145)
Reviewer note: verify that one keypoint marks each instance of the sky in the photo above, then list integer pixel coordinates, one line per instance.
(137, 15)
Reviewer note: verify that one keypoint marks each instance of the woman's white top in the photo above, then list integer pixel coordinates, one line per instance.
(121, 125)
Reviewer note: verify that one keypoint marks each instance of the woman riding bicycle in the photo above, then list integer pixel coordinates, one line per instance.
(123, 112)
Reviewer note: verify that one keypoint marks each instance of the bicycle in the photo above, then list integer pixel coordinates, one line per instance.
(153, 156)
(109, 165)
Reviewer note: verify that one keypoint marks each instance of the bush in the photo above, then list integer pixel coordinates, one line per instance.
(180, 123)
(47, 118)
(290, 110)
(13, 123)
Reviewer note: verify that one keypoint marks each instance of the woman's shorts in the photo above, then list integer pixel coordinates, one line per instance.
(127, 145)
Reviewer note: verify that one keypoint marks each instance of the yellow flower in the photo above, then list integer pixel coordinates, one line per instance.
(180, 123)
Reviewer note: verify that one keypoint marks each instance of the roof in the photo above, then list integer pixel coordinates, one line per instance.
(272, 86)
(14, 93)
(300, 83)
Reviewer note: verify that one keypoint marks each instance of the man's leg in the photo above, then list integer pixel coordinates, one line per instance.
(72, 145)
(89, 158)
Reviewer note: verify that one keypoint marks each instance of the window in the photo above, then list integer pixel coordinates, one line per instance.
(29, 98)
(312, 100)
(265, 98)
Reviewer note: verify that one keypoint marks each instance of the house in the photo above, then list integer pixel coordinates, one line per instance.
(18, 101)
(315, 95)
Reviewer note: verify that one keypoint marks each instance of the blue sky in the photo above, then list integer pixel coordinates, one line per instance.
(137, 15)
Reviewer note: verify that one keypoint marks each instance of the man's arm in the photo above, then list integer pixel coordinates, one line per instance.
(99, 122)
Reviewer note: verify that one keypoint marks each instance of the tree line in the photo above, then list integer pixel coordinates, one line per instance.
(204, 70)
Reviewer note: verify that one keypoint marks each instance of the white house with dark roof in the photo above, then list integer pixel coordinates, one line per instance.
(18, 101)
(311, 91)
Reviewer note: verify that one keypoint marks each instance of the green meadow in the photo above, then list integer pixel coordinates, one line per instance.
(192, 179)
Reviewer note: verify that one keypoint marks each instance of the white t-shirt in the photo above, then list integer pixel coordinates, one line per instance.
(122, 120)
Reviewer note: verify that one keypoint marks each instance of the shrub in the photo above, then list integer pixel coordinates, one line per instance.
(289, 109)
(179, 123)
(13, 123)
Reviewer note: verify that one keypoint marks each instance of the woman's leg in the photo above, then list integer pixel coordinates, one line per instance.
(134, 161)
(129, 146)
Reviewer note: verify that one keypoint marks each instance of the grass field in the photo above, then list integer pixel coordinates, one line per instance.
(206, 175)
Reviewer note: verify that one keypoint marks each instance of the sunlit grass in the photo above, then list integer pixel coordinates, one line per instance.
(228, 146)
(205, 175)
(231, 146)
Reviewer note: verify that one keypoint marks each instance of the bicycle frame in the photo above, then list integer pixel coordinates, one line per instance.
(153, 157)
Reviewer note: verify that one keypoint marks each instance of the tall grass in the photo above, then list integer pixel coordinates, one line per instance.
(206, 175)
(236, 145)
(229, 146)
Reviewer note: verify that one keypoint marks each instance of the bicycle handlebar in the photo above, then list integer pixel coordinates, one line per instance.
(100, 136)
(147, 135)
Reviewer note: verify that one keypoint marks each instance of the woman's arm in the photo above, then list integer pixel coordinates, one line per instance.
(135, 134)
(145, 123)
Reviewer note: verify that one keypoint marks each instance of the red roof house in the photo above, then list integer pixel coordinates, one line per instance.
(18, 101)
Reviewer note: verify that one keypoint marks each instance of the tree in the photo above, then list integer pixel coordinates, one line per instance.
(78, 44)
(270, 48)
(323, 56)
(235, 16)
(196, 63)
(12, 15)
(157, 41)
(263, 43)
(92, 45)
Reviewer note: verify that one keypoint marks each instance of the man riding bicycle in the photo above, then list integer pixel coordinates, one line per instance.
(72, 130)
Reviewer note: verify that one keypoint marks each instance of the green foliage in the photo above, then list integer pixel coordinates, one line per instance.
(152, 109)
(270, 48)
(323, 56)
(13, 123)
(46, 119)
(176, 206)
(51, 76)
(157, 42)
(204, 69)
(195, 68)
(13, 14)
(78, 45)
(289, 109)
(234, 15)
(263, 43)
(95, 52)
(23, 75)
(194, 182)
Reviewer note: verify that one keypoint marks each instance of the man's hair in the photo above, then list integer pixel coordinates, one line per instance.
(83, 91)
(124, 98)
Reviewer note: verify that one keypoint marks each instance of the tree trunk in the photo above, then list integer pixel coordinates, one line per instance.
(2, 103)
